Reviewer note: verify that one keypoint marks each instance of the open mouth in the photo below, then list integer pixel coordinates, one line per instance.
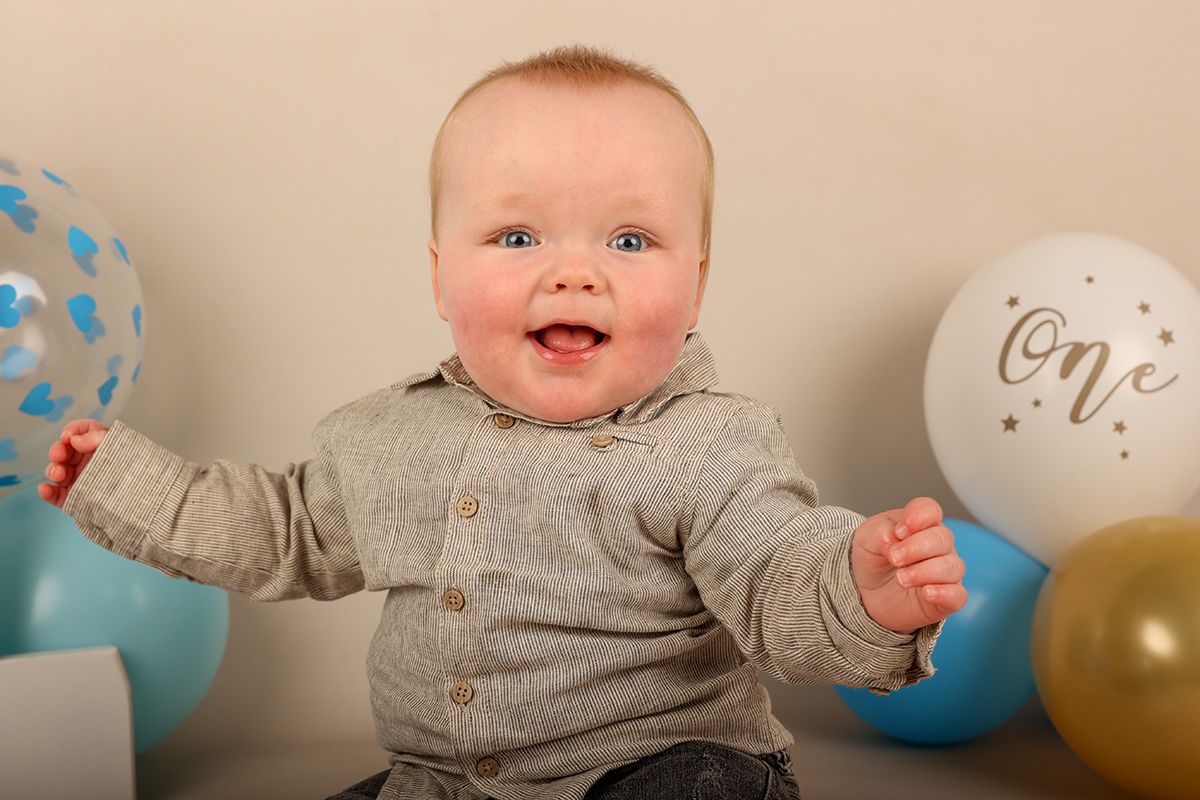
(569, 338)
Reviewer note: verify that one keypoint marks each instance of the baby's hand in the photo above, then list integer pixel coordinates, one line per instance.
(68, 456)
(906, 568)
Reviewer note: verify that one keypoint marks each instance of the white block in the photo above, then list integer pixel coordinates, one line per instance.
(66, 725)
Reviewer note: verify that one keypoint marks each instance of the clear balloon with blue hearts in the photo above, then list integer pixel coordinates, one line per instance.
(71, 325)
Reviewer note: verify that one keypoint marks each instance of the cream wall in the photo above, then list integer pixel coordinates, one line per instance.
(265, 163)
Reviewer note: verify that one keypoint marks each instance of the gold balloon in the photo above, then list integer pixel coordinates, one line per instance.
(1116, 654)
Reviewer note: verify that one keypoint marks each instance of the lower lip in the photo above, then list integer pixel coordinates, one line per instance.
(567, 359)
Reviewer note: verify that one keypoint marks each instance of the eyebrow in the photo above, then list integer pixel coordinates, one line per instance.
(637, 201)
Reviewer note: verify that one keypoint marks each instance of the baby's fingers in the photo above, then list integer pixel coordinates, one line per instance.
(54, 495)
(77, 427)
(919, 514)
(947, 569)
(929, 543)
(57, 473)
(87, 442)
(946, 598)
(60, 452)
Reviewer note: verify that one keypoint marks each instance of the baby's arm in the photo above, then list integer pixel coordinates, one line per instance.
(268, 536)
(775, 567)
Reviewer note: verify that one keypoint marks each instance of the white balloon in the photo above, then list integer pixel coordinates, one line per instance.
(71, 327)
(1062, 390)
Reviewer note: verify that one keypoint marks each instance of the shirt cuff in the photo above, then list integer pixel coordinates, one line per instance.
(116, 498)
(892, 658)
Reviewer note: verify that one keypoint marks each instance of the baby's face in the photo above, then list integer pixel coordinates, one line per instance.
(568, 260)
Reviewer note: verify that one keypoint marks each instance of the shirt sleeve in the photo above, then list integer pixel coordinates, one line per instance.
(268, 536)
(774, 567)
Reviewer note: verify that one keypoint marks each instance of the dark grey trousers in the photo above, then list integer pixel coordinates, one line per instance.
(687, 771)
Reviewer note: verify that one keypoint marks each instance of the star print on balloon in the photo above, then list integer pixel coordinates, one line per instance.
(1036, 339)
(1043, 359)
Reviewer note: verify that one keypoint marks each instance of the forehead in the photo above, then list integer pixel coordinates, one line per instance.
(514, 139)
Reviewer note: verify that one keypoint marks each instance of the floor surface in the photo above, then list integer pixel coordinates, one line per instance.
(836, 757)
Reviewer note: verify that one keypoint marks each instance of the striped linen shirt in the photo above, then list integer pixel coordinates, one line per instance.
(562, 598)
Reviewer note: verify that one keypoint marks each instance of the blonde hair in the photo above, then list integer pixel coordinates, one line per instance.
(580, 66)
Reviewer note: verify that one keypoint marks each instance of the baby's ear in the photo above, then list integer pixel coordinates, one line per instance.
(433, 274)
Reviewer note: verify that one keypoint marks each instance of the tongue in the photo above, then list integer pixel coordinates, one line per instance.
(568, 338)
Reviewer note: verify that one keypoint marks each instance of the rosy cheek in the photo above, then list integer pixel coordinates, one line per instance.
(662, 314)
(479, 321)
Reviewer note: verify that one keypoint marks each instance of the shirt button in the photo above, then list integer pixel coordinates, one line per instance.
(503, 420)
(602, 440)
(462, 693)
(467, 506)
(487, 767)
(453, 599)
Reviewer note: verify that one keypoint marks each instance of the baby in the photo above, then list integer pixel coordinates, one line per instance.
(588, 552)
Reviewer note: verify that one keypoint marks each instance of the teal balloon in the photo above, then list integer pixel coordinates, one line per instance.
(59, 591)
(984, 669)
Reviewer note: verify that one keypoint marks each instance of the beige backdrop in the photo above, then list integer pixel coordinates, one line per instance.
(265, 163)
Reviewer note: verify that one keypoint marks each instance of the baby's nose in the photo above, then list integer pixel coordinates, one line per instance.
(575, 275)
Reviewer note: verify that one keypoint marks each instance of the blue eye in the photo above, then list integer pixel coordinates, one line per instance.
(518, 238)
(628, 238)
(508, 238)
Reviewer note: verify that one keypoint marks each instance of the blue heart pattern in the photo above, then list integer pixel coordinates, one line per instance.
(16, 361)
(9, 314)
(118, 248)
(81, 307)
(21, 215)
(8, 452)
(38, 403)
(83, 247)
(105, 391)
(60, 181)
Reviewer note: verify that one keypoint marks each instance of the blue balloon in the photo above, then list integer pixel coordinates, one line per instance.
(984, 671)
(59, 591)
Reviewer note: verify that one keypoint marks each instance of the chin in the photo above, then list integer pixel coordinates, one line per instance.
(559, 413)
(569, 411)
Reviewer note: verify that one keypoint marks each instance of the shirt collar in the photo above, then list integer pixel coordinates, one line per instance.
(695, 371)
